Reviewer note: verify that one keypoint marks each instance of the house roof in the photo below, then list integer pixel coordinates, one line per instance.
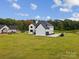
(10, 26)
(45, 24)
(1, 26)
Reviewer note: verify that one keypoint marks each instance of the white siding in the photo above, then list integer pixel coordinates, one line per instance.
(51, 29)
(40, 31)
(12, 30)
(33, 28)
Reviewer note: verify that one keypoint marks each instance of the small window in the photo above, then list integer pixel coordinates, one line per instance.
(47, 33)
(31, 27)
(31, 30)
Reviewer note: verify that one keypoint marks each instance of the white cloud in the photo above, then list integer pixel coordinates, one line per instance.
(66, 4)
(74, 19)
(43, 18)
(48, 17)
(16, 6)
(23, 14)
(33, 6)
(37, 17)
(72, 2)
(75, 16)
(58, 2)
(65, 9)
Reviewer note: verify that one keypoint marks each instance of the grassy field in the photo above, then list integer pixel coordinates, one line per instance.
(24, 46)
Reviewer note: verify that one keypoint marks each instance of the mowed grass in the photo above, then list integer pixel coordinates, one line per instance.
(25, 46)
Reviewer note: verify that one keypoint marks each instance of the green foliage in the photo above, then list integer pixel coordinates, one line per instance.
(22, 25)
(65, 25)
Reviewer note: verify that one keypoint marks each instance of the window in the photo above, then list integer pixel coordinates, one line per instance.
(31, 30)
(47, 33)
(46, 25)
(31, 27)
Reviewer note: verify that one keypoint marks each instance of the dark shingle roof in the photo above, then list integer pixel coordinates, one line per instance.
(1, 26)
(10, 26)
(45, 24)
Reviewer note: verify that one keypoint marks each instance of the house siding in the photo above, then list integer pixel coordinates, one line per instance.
(33, 28)
(13, 30)
(40, 30)
(51, 29)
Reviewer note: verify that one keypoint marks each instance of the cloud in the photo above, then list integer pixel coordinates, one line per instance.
(37, 17)
(43, 18)
(33, 6)
(16, 6)
(74, 19)
(23, 14)
(48, 17)
(75, 16)
(58, 2)
(65, 10)
(66, 4)
(72, 2)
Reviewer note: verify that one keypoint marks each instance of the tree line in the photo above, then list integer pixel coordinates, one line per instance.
(66, 24)
(22, 25)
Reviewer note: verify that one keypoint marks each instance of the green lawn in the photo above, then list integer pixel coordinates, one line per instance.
(24, 46)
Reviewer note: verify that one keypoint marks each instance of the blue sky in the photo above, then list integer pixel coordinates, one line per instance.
(39, 9)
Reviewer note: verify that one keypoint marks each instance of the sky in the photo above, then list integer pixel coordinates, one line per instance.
(39, 9)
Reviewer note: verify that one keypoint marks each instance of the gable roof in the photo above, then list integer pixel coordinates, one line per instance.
(10, 26)
(45, 24)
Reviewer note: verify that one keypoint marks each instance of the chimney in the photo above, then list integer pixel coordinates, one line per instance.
(36, 21)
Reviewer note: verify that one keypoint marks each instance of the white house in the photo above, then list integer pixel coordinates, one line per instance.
(7, 29)
(41, 28)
